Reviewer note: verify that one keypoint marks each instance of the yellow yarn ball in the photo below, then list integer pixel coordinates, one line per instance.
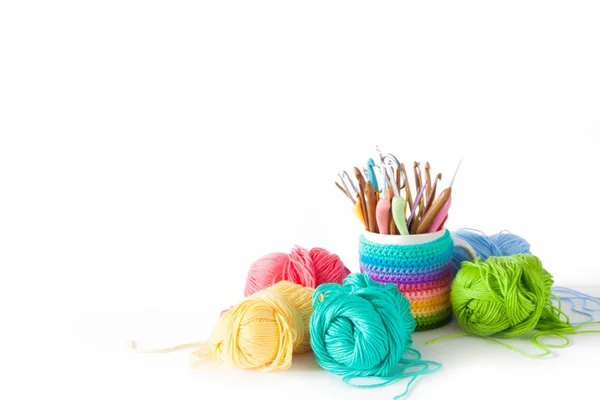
(264, 329)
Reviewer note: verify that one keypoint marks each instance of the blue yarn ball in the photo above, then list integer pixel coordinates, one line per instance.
(501, 244)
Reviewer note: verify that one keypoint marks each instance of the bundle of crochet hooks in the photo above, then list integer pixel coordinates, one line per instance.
(383, 201)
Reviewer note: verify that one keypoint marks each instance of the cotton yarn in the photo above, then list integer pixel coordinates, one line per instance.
(307, 268)
(501, 244)
(263, 330)
(509, 296)
(363, 329)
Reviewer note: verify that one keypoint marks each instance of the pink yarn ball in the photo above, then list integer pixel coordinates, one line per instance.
(328, 266)
(307, 268)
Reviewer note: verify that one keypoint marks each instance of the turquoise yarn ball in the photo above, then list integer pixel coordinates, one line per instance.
(361, 328)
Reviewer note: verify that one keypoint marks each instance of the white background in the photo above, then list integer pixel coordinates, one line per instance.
(151, 150)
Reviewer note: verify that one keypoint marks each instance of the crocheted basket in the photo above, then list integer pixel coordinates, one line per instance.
(422, 271)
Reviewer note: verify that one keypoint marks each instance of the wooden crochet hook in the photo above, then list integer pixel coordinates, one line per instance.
(371, 207)
(392, 228)
(436, 216)
(435, 210)
(428, 187)
(431, 197)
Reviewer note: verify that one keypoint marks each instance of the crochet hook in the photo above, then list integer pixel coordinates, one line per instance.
(413, 220)
(371, 174)
(395, 208)
(393, 229)
(348, 195)
(371, 199)
(437, 214)
(382, 212)
(352, 195)
(399, 206)
(428, 188)
(419, 185)
(431, 197)
(409, 199)
(361, 193)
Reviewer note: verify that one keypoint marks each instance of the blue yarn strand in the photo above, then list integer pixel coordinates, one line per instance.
(573, 297)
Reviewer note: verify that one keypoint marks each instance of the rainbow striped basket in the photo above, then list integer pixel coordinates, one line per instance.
(421, 268)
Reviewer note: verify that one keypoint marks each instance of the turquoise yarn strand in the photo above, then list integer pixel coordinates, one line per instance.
(362, 329)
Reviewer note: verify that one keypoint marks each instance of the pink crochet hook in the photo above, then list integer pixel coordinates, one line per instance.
(382, 212)
(442, 215)
(383, 215)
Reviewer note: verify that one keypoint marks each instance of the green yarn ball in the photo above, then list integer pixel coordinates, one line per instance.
(504, 297)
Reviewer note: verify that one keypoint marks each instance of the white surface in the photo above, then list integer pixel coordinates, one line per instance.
(137, 138)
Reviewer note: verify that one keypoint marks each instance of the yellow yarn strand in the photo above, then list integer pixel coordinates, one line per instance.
(262, 331)
(133, 346)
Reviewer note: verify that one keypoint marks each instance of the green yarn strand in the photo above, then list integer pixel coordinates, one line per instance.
(506, 297)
